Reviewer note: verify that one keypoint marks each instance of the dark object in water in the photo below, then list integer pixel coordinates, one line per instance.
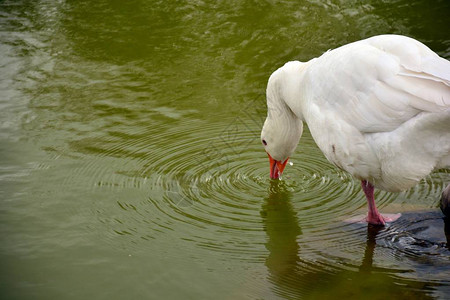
(445, 201)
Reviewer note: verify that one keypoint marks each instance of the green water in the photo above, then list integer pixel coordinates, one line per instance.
(131, 166)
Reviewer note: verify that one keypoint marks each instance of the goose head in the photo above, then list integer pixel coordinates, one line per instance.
(283, 127)
(280, 136)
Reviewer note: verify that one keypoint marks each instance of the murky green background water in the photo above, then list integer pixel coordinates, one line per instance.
(131, 166)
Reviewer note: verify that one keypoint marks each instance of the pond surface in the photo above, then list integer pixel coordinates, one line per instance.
(131, 166)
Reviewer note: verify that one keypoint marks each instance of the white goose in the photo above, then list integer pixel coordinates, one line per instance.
(378, 108)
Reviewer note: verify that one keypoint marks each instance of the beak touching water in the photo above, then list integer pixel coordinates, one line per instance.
(276, 167)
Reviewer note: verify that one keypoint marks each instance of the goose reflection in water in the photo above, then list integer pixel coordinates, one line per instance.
(294, 275)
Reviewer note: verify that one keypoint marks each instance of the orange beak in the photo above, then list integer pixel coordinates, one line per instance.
(276, 167)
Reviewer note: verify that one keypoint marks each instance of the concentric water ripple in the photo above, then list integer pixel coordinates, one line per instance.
(201, 182)
(207, 185)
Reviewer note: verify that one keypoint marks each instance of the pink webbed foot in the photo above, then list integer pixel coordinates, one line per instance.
(378, 221)
(381, 219)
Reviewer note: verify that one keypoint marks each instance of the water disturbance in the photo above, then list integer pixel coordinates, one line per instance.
(131, 164)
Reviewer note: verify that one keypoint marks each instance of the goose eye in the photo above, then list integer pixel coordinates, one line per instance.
(264, 142)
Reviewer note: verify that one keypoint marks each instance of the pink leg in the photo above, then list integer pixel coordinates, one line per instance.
(373, 217)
